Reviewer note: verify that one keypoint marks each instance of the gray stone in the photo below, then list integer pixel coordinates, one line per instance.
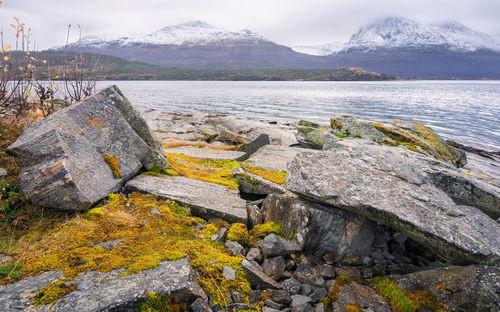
(388, 185)
(109, 291)
(235, 248)
(214, 237)
(205, 199)
(5, 258)
(240, 307)
(366, 298)
(305, 289)
(281, 296)
(269, 309)
(221, 236)
(306, 274)
(326, 271)
(274, 267)
(254, 254)
(254, 216)
(62, 156)
(470, 288)
(199, 305)
(299, 301)
(110, 244)
(273, 245)
(254, 145)
(229, 273)
(236, 297)
(400, 238)
(319, 307)
(272, 304)
(206, 152)
(291, 285)
(312, 134)
(318, 227)
(318, 293)
(155, 212)
(253, 296)
(257, 278)
(3, 172)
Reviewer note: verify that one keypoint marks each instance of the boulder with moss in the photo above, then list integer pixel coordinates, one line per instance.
(103, 291)
(387, 184)
(63, 162)
(413, 135)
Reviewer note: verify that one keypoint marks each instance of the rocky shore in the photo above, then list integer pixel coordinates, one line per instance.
(175, 212)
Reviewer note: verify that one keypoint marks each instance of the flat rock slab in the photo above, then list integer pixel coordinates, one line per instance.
(62, 156)
(205, 199)
(209, 153)
(106, 291)
(388, 185)
(273, 157)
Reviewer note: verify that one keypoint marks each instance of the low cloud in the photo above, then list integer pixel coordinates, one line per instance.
(288, 22)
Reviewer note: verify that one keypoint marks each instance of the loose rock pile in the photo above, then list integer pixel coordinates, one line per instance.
(367, 212)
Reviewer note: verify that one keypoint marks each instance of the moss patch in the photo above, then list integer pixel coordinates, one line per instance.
(208, 170)
(112, 162)
(161, 303)
(238, 232)
(277, 177)
(404, 300)
(53, 292)
(147, 240)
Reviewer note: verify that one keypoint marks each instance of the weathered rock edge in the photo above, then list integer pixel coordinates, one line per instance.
(386, 184)
(62, 156)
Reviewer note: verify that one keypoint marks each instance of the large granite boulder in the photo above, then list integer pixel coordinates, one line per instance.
(107, 291)
(316, 227)
(77, 156)
(388, 185)
(470, 288)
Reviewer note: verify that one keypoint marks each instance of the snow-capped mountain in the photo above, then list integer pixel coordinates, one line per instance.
(319, 49)
(400, 32)
(191, 33)
(393, 45)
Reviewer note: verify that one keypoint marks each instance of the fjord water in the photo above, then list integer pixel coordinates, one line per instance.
(465, 111)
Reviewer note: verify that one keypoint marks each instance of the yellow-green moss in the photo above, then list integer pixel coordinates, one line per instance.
(208, 170)
(147, 240)
(53, 292)
(114, 165)
(340, 135)
(267, 228)
(404, 300)
(161, 303)
(152, 173)
(238, 232)
(353, 307)
(200, 145)
(277, 177)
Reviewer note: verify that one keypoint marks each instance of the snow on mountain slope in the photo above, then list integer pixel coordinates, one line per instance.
(191, 33)
(320, 49)
(396, 32)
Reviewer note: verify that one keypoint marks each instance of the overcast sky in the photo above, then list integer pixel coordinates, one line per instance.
(289, 22)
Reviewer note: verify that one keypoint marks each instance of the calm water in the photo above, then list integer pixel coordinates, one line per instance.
(465, 111)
